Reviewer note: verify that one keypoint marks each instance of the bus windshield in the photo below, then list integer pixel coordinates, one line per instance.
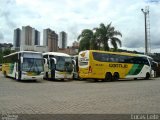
(64, 63)
(32, 65)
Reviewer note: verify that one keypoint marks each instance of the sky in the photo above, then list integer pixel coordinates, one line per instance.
(72, 16)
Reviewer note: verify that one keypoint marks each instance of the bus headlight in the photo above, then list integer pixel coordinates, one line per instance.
(24, 73)
(42, 73)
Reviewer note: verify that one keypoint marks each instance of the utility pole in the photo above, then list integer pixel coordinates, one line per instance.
(147, 33)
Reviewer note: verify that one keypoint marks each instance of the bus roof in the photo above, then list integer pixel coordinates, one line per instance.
(119, 53)
(56, 54)
(21, 52)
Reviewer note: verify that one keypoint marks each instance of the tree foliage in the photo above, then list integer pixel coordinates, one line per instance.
(99, 38)
(86, 39)
(3, 53)
(6, 52)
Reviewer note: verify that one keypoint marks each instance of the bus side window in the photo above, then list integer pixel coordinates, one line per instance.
(111, 58)
(130, 59)
(126, 59)
(121, 58)
(146, 61)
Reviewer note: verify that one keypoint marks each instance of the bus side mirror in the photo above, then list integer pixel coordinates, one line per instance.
(45, 65)
(45, 61)
(74, 62)
(21, 59)
(55, 61)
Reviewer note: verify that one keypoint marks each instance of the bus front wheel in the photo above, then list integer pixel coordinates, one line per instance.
(147, 76)
(5, 74)
(46, 76)
(16, 77)
(108, 77)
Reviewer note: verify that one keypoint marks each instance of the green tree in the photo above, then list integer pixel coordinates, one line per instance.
(7, 52)
(99, 38)
(108, 34)
(87, 40)
(1, 56)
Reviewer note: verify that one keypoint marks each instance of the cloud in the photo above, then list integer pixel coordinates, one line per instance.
(6, 13)
(8, 19)
(74, 16)
(1, 36)
(136, 41)
(155, 41)
(152, 1)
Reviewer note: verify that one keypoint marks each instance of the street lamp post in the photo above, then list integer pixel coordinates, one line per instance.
(145, 21)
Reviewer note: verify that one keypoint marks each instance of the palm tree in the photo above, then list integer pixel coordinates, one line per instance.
(87, 40)
(108, 34)
(99, 38)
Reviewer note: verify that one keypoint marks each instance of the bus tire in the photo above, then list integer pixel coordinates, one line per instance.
(108, 77)
(5, 74)
(16, 77)
(147, 76)
(96, 80)
(46, 75)
(116, 76)
(73, 77)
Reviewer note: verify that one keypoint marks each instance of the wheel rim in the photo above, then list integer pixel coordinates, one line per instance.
(116, 76)
(108, 77)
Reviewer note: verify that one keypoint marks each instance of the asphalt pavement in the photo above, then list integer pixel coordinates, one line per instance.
(79, 97)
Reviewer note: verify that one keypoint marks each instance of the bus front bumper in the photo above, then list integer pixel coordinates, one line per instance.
(38, 77)
(86, 75)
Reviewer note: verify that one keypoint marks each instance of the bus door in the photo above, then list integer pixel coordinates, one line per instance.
(53, 67)
(19, 66)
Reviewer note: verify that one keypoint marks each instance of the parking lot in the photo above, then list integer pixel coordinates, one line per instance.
(79, 97)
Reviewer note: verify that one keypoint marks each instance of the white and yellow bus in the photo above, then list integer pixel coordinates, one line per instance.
(58, 66)
(109, 66)
(23, 65)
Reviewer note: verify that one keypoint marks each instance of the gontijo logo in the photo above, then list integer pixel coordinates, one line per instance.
(83, 54)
